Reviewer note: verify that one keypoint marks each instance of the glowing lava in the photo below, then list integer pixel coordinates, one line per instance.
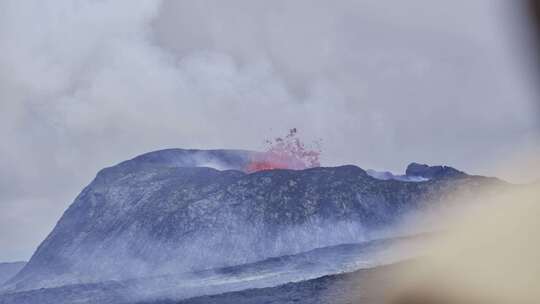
(285, 153)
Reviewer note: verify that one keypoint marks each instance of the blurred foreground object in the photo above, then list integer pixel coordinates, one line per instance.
(489, 255)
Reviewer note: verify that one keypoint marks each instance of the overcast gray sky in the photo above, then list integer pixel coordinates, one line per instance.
(86, 84)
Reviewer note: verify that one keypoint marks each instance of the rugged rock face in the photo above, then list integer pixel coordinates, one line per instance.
(165, 212)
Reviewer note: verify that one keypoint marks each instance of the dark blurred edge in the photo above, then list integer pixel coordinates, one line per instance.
(533, 8)
(534, 12)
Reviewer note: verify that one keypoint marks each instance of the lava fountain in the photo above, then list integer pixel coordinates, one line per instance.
(287, 152)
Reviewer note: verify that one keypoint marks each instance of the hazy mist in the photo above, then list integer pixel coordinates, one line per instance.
(86, 84)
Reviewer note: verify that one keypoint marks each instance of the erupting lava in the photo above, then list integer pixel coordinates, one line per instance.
(285, 153)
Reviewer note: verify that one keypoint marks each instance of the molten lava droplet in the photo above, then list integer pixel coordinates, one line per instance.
(285, 153)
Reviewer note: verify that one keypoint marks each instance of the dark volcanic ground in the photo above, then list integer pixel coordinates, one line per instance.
(366, 286)
(249, 282)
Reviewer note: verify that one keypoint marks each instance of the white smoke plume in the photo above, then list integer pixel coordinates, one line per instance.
(85, 84)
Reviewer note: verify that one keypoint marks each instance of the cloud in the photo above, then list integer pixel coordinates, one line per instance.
(86, 84)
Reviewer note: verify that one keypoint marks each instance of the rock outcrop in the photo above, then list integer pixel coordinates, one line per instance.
(430, 172)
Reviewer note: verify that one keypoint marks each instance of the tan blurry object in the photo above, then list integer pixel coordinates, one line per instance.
(489, 255)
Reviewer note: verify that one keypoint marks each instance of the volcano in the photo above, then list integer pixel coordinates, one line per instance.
(176, 210)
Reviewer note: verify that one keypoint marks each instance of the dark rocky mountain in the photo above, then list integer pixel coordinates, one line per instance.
(179, 210)
(8, 270)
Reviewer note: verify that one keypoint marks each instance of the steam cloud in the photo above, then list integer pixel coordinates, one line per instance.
(85, 84)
